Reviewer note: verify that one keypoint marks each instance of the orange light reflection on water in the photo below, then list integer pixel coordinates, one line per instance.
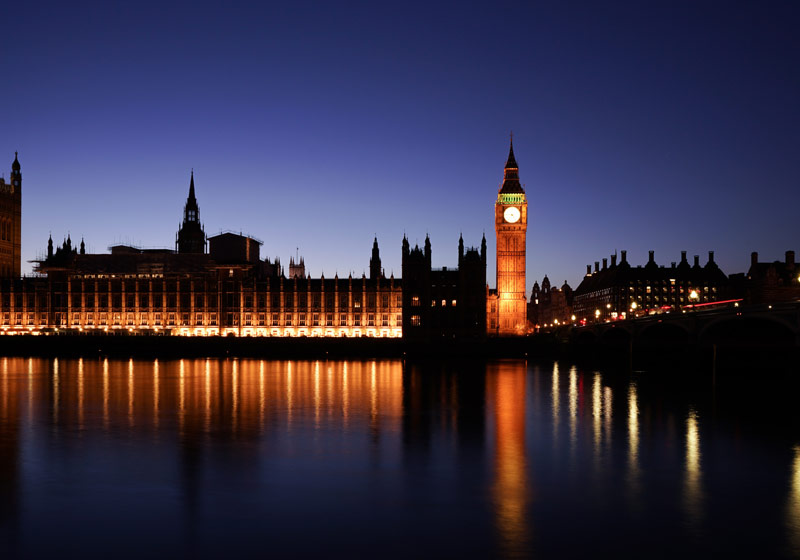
(510, 491)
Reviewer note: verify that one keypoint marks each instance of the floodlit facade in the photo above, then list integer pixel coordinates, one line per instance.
(228, 290)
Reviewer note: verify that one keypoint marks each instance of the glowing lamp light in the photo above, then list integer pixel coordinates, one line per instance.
(572, 318)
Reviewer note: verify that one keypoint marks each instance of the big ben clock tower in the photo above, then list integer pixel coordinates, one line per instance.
(511, 225)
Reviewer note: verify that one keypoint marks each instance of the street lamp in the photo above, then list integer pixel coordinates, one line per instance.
(694, 297)
(634, 305)
(597, 315)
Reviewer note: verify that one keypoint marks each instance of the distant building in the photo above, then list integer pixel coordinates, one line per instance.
(11, 222)
(549, 306)
(772, 282)
(610, 292)
(444, 302)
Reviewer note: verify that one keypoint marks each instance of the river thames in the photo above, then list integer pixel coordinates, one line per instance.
(377, 459)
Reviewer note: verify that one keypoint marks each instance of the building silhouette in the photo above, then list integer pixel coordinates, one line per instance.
(444, 302)
(219, 285)
(191, 238)
(772, 282)
(550, 306)
(610, 292)
(228, 290)
(11, 222)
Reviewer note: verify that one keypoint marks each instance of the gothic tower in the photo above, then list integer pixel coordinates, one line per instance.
(511, 224)
(375, 270)
(11, 222)
(191, 238)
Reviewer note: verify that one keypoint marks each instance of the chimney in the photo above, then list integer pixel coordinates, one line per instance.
(651, 258)
(753, 258)
(596, 266)
(605, 264)
(624, 256)
(790, 258)
(588, 270)
(683, 256)
(673, 264)
(613, 260)
(697, 260)
(711, 257)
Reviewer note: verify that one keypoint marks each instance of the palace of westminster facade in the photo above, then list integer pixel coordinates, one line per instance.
(218, 285)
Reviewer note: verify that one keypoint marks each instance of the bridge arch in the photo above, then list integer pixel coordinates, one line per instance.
(759, 329)
(674, 332)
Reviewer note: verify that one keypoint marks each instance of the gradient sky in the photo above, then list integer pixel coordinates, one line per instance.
(646, 125)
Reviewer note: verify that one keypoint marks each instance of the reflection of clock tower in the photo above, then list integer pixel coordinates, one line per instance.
(511, 224)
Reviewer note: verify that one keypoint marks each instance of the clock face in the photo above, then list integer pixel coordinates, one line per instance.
(511, 214)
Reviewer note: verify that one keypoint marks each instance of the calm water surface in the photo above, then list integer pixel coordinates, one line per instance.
(248, 458)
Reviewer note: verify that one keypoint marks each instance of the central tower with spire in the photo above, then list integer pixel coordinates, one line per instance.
(511, 226)
(191, 238)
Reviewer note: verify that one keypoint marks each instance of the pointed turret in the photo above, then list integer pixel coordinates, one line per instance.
(511, 182)
(375, 261)
(191, 237)
(50, 247)
(191, 212)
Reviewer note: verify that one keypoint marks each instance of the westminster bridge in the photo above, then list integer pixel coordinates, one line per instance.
(750, 326)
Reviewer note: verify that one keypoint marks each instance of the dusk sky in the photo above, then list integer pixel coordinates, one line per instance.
(661, 126)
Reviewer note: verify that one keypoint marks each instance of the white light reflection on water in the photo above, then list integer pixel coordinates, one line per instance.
(693, 490)
(634, 476)
(573, 410)
(597, 419)
(793, 505)
(554, 399)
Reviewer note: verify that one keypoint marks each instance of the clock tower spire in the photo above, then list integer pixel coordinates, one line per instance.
(511, 225)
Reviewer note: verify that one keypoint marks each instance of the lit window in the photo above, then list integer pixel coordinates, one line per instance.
(415, 321)
(453, 303)
(342, 320)
(415, 301)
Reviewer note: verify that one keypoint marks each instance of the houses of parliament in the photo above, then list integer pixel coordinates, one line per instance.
(219, 285)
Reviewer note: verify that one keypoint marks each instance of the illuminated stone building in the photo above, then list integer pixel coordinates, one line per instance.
(550, 306)
(506, 308)
(444, 302)
(11, 222)
(227, 291)
(609, 292)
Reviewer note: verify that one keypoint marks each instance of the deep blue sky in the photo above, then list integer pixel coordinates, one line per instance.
(645, 125)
